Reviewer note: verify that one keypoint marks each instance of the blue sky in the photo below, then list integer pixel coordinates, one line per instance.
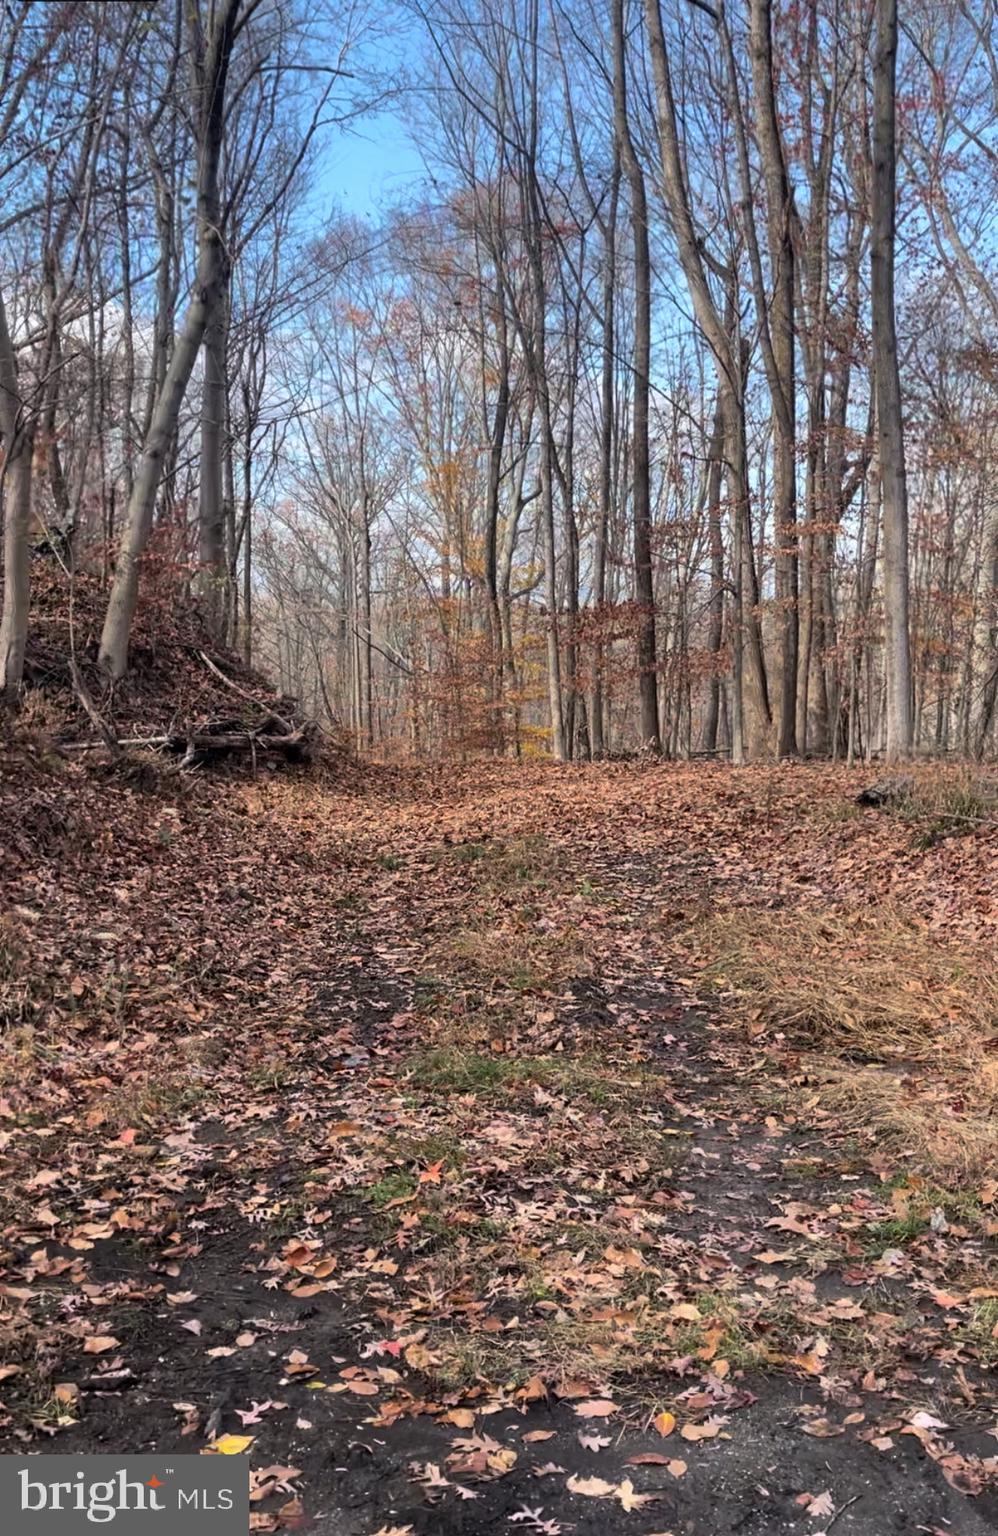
(372, 166)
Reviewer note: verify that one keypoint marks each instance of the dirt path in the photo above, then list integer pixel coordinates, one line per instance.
(492, 1224)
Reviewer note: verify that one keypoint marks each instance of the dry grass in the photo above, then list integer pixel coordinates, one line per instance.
(903, 1024)
(629, 1353)
(949, 802)
(501, 946)
(510, 954)
(871, 984)
(948, 1128)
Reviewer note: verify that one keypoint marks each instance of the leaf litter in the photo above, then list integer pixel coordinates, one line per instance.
(422, 1106)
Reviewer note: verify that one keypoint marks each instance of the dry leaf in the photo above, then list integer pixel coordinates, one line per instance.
(631, 1500)
(596, 1408)
(591, 1487)
(99, 1344)
(233, 1445)
(708, 1430)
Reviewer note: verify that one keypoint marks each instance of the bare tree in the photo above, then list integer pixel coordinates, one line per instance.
(890, 426)
(212, 39)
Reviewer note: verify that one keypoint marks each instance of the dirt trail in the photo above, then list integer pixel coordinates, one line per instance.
(458, 1230)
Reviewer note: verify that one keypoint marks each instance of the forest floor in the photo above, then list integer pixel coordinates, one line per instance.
(555, 1150)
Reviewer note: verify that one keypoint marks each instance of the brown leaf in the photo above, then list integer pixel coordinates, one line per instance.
(596, 1408)
(631, 1500)
(708, 1430)
(591, 1487)
(99, 1344)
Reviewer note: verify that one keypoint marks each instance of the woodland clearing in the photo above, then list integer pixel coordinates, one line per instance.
(561, 1148)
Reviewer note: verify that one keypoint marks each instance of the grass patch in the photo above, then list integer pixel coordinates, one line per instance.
(451, 1069)
(633, 1352)
(513, 954)
(19, 1002)
(981, 1332)
(507, 865)
(942, 806)
(269, 1074)
(901, 1022)
(397, 1185)
(946, 1129)
(896, 1232)
(441, 1146)
(872, 986)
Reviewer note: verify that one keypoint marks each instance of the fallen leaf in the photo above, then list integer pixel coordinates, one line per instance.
(708, 1430)
(631, 1500)
(591, 1487)
(461, 1418)
(596, 1408)
(99, 1344)
(233, 1445)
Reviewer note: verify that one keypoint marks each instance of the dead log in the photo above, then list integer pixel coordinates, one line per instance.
(214, 739)
(887, 792)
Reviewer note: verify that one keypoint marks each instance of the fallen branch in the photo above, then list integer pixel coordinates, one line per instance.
(190, 743)
(108, 738)
(284, 725)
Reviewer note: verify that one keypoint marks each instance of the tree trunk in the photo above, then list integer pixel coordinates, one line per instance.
(724, 345)
(890, 433)
(986, 634)
(781, 364)
(211, 493)
(715, 629)
(211, 64)
(596, 705)
(644, 586)
(15, 480)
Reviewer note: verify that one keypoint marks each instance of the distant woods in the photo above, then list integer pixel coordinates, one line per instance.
(659, 415)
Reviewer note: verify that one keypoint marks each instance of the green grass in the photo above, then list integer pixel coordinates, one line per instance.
(449, 1069)
(266, 1076)
(445, 1147)
(397, 1185)
(961, 1208)
(896, 1232)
